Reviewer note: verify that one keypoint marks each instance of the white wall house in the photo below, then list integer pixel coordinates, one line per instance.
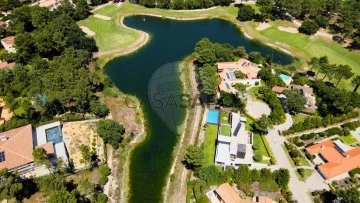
(234, 149)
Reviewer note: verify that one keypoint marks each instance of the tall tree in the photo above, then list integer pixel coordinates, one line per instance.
(343, 71)
(194, 157)
(265, 7)
(294, 101)
(262, 124)
(40, 157)
(356, 82)
(86, 155)
(209, 79)
(111, 132)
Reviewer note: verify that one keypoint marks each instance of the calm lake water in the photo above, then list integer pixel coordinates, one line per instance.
(170, 41)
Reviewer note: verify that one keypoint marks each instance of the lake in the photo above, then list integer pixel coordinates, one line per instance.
(170, 41)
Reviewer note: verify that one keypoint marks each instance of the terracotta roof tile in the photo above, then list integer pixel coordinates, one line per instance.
(9, 40)
(17, 148)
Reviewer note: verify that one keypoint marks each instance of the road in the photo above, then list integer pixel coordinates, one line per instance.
(298, 188)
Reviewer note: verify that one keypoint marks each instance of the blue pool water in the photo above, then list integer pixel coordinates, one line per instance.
(213, 116)
(284, 77)
(53, 135)
(358, 134)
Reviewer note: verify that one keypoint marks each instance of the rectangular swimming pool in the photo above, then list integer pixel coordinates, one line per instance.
(53, 135)
(284, 77)
(212, 116)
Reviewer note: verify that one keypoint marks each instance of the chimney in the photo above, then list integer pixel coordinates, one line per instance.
(322, 147)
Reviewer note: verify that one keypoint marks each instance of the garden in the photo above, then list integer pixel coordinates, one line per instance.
(210, 143)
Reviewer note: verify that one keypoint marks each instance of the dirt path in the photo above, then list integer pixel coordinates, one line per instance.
(317, 130)
(111, 185)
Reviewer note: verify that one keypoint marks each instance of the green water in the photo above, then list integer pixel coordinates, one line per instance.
(170, 41)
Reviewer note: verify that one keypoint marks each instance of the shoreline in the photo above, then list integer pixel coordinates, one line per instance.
(107, 56)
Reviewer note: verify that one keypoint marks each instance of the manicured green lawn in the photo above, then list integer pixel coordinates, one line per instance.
(269, 186)
(109, 36)
(349, 139)
(225, 130)
(262, 150)
(224, 117)
(309, 46)
(299, 118)
(254, 91)
(209, 143)
(249, 121)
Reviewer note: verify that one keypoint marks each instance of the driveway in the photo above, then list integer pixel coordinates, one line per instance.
(298, 188)
(257, 108)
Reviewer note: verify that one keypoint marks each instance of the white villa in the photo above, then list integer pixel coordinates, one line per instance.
(227, 72)
(234, 148)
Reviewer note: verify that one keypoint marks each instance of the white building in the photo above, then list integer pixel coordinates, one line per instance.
(234, 149)
(9, 44)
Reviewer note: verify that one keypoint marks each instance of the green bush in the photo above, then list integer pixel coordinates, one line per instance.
(257, 157)
(104, 170)
(255, 146)
(309, 27)
(354, 172)
(103, 180)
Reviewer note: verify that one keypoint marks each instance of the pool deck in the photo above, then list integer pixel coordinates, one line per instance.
(355, 134)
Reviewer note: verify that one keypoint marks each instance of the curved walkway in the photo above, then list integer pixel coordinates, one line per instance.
(257, 108)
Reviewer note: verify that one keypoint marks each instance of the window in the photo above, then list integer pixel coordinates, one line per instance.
(2, 156)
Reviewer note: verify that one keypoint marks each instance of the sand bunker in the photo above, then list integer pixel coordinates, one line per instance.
(87, 31)
(263, 26)
(288, 29)
(102, 17)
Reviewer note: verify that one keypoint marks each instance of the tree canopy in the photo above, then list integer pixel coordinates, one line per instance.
(295, 101)
(111, 132)
(194, 157)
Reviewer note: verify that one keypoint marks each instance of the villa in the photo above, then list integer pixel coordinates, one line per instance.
(17, 145)
(306, 91)
(334, 158)
(242, 71)
(8, 43)
(226, 194)
(234, 144)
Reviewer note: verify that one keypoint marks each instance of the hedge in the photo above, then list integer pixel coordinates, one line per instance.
(268, 149)
(317, 122)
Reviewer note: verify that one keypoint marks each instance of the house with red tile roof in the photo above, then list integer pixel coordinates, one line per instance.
(9, 44)
(337, 158)
(227, 72)
(306, 91)
(226, 194)
(17, 145)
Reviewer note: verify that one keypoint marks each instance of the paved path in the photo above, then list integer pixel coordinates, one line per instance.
(256, 108)
(297, 187)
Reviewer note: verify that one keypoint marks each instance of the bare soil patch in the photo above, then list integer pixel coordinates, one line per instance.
(87, 31)
(288, 29)
(82, 132)
(5, 113)
(263, 26)
(102, 17)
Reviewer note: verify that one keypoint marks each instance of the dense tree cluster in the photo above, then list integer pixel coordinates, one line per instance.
(317, 122)
(182, 4)
(51, 75)
(277, 114)
(270, 79)
(111, 132)
(295, 101)
(334, 101)
(194, 157)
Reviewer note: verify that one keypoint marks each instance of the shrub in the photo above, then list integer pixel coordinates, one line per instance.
(353, 172)
(212, 175)
(309, 27)
(103, 180)
(246, 13)
(104, 170)
(257, 157)
(257, 83)
(99, 109)
(255, 146)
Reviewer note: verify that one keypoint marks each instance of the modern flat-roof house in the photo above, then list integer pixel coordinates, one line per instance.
(337, 158)
(17, 145)
(234, 143)
(227, 72)
(9, 44)
(226, 194)
(306, 91)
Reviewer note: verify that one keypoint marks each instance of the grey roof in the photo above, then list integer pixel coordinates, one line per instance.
(241, 148)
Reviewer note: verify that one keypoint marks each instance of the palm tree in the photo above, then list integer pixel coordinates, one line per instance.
(356, 82)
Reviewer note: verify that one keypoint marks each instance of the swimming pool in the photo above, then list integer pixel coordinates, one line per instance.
(285, 78)
(213, 116)
(53, 135)
(358, 134)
